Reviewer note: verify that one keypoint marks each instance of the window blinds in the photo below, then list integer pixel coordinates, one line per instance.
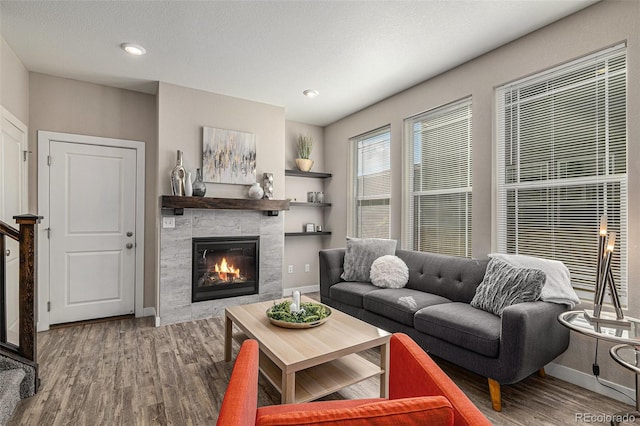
(561, 145)
(372, 184)
(438, 180)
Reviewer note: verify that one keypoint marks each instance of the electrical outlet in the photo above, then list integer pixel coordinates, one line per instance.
(307, 268)
(168, 222)
(290, 269)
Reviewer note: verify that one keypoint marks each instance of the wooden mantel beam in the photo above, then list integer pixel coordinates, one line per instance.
(183, 202)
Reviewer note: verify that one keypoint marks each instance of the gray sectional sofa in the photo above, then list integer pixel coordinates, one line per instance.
(433, 308)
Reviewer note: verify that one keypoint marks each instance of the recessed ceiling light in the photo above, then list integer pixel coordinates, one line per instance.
(310, 93)
(133, 49)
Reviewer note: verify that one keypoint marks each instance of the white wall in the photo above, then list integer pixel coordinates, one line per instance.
(604, 24)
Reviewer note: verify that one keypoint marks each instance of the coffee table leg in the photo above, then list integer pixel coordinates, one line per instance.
(384, 366)
(228, 336)
(288, 388)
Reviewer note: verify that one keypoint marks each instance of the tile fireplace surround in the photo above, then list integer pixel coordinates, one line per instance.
(175, 260)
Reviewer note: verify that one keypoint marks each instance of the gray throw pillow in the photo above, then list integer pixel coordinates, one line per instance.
(360, 254)
(505, 285)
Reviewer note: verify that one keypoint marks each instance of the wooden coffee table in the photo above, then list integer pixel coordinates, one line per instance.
(306, 364)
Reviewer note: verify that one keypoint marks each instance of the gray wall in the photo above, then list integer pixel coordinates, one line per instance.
(597, 27)
(14, 83)
(71, 106)
(182, 113)
(301, 251)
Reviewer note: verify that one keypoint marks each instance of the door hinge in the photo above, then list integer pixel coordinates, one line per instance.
(48, 233)
(48, 306)
(25, 155)
(48, 160)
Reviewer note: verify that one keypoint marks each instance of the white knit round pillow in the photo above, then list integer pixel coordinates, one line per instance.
(389, 272)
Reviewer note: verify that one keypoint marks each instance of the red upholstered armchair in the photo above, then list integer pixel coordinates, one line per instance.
(420, 393)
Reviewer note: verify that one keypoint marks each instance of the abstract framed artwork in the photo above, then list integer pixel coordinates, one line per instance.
(228, 156)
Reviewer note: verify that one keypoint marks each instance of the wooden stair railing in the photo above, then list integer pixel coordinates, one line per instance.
(25, 236)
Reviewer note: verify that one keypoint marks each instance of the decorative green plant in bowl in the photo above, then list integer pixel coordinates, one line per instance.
(305, 146)
(309, 315)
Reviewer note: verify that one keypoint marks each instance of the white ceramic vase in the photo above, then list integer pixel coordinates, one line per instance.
(256, 192)
(188, 186)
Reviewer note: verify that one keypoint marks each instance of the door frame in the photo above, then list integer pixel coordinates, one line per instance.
(24, 177)
(44, 139)
(25, 174)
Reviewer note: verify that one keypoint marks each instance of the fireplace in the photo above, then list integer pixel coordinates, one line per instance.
(224, 267)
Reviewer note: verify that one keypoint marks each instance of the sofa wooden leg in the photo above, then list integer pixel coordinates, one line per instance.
(494, 391)
(542, 373)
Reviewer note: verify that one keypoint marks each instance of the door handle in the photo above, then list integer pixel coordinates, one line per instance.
(8, 252)
(129, 245)
(129, 234)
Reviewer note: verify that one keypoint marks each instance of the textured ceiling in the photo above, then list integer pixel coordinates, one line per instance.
(354, 53)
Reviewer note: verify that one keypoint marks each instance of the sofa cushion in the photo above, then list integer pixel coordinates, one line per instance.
(350, 293)
(270, 410)
(360, 254)
(389, 271)
(505, 285)
(462, 325)
(400, 304)
(557, 287)
(455, 278)
(419, 411)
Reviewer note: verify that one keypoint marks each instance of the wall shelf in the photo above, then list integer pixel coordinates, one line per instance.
(306, 234)
(303, 204)
(298, 173)
(178, 203)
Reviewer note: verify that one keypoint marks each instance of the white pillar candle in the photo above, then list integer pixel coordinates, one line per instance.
(293, 308)
(603, 225)
(296, 298)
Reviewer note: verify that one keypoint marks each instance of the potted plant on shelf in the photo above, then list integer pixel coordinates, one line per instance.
(305, 146)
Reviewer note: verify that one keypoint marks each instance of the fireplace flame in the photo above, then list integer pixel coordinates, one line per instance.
(225, 271)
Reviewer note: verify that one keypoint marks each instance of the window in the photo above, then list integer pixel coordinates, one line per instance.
(372, 184)
(561, 144)
(438, 180)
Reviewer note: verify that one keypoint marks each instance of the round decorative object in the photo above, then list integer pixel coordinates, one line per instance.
(389, 272)
(313, 315)
(304, 164)
(256, 192)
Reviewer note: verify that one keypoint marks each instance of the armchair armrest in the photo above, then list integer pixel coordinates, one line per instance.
(331, 267)
(532, 337)
(240, 402)
(413, 373)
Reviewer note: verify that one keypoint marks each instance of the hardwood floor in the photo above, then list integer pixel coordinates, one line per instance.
(127, 372)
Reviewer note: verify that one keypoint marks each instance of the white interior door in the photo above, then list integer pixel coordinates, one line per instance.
(92, 231)
(13, 201)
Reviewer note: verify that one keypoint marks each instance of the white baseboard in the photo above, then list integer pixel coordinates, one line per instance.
(306, 289)
(151, 312)
(589, 382)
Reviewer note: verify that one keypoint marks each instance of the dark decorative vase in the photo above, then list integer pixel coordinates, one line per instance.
(199, 188)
